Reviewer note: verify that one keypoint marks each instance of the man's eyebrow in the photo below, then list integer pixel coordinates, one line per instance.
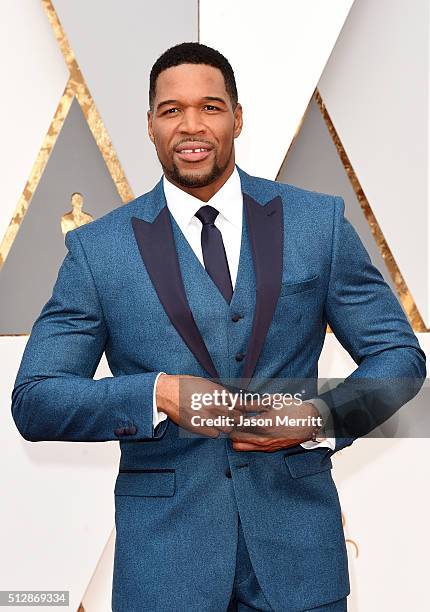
(215, 99)
(164, 102)
(211, 98)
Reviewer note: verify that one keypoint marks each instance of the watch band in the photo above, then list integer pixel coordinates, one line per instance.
(318, 434)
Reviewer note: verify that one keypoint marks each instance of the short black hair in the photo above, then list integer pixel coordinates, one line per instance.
(193, 53)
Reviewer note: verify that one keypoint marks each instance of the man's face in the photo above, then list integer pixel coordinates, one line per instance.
(192, 110)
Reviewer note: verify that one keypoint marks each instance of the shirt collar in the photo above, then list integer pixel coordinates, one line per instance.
(228, 201)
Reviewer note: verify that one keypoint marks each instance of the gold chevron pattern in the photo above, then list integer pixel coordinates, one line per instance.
(402, 289)
(76, 88)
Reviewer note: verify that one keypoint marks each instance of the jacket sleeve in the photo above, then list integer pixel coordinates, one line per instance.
(54, 395)
(369, 322)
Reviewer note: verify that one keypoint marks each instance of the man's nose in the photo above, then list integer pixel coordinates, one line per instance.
(192, 121)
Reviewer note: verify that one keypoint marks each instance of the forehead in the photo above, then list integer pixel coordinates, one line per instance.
(186, 79)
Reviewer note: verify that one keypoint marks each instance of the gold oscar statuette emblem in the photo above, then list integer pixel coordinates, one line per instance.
(76, 217)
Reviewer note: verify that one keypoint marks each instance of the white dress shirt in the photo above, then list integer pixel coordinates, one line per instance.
(229, 202)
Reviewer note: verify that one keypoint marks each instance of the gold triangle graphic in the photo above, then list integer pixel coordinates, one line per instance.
(88, 106)
(36, 172)
(76, 88)
(404, 293)
(402, 289)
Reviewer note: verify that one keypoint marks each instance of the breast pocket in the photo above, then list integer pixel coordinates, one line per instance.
(151, 482)
(288, 288)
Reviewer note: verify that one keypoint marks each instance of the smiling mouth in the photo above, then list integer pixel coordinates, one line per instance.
(193, 155)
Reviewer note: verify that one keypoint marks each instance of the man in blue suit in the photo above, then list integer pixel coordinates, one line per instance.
(216, 280)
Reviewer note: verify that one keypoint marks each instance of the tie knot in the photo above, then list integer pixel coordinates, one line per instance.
(207, 214)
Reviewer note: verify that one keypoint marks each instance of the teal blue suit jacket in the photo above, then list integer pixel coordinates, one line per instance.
(130, 285)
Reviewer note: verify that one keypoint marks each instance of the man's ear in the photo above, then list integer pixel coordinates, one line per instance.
(150, 131)
(238, 120)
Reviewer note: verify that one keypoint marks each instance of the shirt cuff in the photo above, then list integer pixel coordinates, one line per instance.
(324, 411)
(157, 415)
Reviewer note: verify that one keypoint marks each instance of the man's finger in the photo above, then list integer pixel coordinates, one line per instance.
(232, 418)
(239, 436)
(245, 447)
(253, 406)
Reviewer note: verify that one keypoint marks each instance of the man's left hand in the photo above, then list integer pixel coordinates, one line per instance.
(271, 435)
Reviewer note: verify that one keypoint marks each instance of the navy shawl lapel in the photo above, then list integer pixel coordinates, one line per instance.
(157, 248)
(266, 233)
(154, 236)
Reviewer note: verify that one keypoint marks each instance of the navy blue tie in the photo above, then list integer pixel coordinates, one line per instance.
(214, 256)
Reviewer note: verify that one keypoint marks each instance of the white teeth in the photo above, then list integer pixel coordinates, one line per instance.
(193, 150)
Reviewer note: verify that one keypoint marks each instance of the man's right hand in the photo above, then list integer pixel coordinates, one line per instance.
(176, 394)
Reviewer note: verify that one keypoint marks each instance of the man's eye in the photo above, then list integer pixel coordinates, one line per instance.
(211, 106)
(170, 109)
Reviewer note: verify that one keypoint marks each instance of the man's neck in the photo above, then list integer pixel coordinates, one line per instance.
(205, 193)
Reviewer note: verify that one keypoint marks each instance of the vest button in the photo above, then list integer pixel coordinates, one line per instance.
(236, 317)
(228, 473)
(239, 356)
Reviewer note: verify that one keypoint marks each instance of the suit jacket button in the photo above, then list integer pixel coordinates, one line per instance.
(239, 356)
(228, 473)
(130, 431)
(236, 317)
(119, 431)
